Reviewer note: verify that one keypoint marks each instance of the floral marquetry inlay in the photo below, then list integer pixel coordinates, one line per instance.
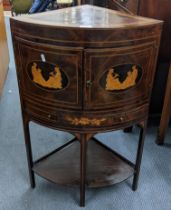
(121, 77)
(85, 121)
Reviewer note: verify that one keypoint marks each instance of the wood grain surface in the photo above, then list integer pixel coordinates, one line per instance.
(87, 16)
(104, 167)
(85, 42)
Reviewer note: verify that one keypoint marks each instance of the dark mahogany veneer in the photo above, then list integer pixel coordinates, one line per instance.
(85, 70)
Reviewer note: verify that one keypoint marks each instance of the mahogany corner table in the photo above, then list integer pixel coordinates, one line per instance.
(85, 70)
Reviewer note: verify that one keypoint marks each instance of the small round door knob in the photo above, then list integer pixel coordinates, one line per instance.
(121, 119)
(89, 83)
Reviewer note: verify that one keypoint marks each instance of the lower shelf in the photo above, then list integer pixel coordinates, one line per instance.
(103, 166)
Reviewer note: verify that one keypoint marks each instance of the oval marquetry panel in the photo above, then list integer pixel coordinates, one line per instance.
(121, 77)
(47, 76)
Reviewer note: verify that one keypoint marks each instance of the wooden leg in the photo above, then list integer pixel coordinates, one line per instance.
(83, 149)
(29, 152)
(166, 112)
(139, 156)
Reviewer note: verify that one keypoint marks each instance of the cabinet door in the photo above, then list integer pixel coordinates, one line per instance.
(4, 56)
(119, 79)
(49, 76)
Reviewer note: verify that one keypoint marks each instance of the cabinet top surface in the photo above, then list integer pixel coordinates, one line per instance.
(86, 16)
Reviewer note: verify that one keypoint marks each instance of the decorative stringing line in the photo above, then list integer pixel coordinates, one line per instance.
(150, 48)
(67, 41)
(34, 95)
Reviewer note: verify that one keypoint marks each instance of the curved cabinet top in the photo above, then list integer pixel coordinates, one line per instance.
(87, 16)
(86, 26)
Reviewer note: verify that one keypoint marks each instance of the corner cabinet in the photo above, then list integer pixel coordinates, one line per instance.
(85, 70)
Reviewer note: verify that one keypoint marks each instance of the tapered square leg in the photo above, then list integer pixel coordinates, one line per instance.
(139, 156)
(29, 152)
(83, 151)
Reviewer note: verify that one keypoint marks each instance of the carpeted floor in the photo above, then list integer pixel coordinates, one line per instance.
(154, 192)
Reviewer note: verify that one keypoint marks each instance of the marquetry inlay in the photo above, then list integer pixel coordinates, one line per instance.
(85, 70)
(121, 77)
(85, 121)
(47, 75)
